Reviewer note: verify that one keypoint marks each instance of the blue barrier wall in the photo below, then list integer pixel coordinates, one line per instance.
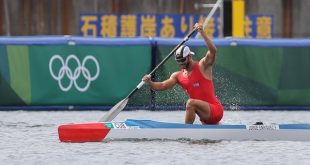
(248, 74)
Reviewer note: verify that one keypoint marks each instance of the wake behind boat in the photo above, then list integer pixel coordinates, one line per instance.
(148, 129)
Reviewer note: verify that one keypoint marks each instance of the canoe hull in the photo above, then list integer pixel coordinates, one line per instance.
(200, 134)
(147, 129)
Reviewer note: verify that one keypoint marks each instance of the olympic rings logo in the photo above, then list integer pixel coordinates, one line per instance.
(75, 74)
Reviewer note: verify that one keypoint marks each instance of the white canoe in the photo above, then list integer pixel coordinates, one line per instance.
(148, 129)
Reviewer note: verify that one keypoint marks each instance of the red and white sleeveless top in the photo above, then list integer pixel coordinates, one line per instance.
(197, 86)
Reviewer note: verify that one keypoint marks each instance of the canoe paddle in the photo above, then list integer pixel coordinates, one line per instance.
(114, 111)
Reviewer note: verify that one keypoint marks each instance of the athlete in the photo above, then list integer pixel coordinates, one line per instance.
(195, 77)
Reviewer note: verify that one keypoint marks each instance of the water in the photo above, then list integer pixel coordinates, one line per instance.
(31, 138)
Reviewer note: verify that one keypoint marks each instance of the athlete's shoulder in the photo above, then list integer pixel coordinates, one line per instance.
(175, 74)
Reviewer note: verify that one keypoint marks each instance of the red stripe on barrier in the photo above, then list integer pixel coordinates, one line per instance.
(90, 132)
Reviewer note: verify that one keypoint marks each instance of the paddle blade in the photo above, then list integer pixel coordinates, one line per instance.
(113, 112)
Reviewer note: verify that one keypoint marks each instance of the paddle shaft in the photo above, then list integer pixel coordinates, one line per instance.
(217, 4)
(162, 62)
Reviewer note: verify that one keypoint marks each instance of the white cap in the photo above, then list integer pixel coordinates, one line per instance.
(184, 50)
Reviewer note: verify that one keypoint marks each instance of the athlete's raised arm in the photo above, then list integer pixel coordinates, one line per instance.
(209, 59)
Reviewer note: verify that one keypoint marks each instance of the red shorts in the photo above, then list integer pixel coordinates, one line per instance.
(216, 114)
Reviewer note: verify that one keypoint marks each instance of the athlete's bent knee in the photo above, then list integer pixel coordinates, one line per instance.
(190, 104)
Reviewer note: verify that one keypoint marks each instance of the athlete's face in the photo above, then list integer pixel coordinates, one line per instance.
(183, 62)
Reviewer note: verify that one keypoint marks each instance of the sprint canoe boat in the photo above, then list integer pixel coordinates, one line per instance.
(148, 129)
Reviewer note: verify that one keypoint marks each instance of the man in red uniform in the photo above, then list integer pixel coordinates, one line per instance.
(195, 77)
